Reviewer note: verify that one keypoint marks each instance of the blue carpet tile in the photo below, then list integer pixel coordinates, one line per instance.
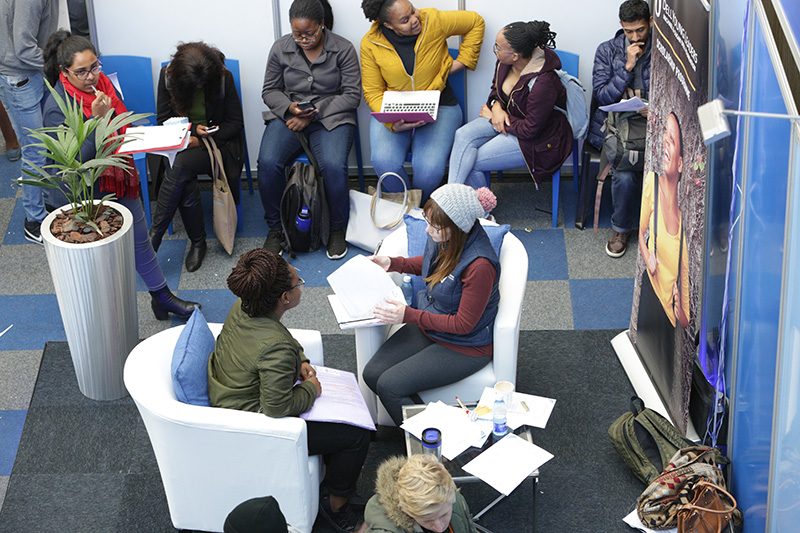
(170, 257)
(36, 320)
(11, 423)
(16, 226)
(601, 303)
(216, 303)
(8, 173)
(547, 254)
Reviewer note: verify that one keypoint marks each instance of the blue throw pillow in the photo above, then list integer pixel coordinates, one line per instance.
(417, 238)
(190, 361)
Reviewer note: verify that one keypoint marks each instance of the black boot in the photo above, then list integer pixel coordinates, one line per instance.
(164, 302)
(169, 199)
(192, 214)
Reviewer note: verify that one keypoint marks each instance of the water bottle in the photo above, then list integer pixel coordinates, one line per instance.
(432, 442)
(408, 291)
(499, 427)
(303, 220)
(301, 239)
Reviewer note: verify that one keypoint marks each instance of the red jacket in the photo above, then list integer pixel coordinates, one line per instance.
(544, 134)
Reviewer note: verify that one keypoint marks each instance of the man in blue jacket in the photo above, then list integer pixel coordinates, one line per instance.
(622, 70)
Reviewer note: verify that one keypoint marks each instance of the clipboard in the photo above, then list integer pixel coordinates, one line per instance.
(155, 138)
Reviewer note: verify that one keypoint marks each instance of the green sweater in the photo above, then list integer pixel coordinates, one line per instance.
(255, 365)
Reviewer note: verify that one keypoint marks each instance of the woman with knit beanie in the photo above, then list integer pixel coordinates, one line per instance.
(452, 325)
(257, 365)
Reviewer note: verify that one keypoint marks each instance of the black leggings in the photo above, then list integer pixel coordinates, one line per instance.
(344, 449)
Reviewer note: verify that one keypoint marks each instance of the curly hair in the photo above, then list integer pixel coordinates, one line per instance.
(423, 486)
(634, 11)
(60, 50)
(525, 37)
(195, 65)
(259, 279)
(317, 10)
(376, 9)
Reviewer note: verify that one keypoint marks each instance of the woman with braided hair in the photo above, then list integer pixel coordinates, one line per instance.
(257, 365)
(524, 121)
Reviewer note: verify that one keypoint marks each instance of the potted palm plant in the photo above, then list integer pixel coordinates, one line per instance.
(89, 247)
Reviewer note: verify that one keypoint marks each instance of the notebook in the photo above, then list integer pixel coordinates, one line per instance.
(411, 106)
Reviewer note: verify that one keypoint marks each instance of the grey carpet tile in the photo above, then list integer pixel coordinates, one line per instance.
(216, 265)
(587, 257)
(18, 371)
(3, 489)
(6, 208)
(314, 312)
(520, 204)
(547, 305)
(148, 325)
(25, 270)
(144, 506)
(94, 502)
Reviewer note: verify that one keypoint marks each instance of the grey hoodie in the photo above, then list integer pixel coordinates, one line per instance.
(25, 26)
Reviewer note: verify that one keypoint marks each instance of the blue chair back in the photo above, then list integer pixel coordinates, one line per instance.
(569, 62)
(135, 76)
(458, 82)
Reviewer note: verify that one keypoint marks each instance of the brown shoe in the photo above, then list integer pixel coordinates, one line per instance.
(617, 244)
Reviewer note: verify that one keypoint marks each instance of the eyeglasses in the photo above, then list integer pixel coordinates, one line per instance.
(300, 37)
(497, 50)
(299, 284)
(84, 74)
(434, 228)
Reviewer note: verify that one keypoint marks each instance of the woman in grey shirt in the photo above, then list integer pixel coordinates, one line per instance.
(312, 85)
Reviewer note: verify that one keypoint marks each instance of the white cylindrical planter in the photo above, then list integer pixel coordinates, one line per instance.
(96, 290)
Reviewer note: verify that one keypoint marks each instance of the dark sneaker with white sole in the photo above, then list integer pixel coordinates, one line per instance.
(617, 244)
(337, 246)
(275, 241)
(345, 520)
(33, 232)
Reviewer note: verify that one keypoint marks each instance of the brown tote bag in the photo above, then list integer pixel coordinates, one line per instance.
(225, 218)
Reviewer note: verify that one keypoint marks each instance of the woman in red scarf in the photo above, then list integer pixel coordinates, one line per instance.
(72, 67)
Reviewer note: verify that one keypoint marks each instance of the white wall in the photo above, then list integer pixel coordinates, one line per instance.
(243, 30)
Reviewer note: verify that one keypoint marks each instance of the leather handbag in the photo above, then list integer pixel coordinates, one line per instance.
(372, 217)
(225, 219)
(711, 510)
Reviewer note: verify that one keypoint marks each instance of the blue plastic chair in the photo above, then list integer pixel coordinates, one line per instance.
(569, 63)
(135, 77)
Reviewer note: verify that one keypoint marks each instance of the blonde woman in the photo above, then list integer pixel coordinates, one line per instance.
(416, 494)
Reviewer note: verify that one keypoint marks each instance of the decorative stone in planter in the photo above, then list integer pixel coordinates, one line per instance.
(95, 286)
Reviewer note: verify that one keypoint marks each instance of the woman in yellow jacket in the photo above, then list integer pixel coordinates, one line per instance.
(406, 50)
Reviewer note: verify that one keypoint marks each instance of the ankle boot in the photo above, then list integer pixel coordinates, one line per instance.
(164, 302)
(191, 210)
(169, 199)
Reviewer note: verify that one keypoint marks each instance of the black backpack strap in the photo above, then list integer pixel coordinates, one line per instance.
(637, 405)
(309, 152)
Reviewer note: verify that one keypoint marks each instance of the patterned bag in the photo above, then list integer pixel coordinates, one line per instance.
(659, 503)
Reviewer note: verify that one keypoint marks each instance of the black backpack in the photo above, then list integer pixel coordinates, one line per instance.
(304, 211)
(645, 440)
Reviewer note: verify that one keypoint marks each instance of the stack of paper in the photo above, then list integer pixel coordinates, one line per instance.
(360, 286)
(458, 432)
(341, 400)
(507, 463)
(155, 138)
(537, 415)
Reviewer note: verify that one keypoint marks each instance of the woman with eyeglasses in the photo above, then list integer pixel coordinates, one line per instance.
(257, 365)
(312, 87)
(195, 84)
(73, 69)
(448, 335)
(406, 50)
(524, 121)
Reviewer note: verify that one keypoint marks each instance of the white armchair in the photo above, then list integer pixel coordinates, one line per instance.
(211, 459)
(512, 284)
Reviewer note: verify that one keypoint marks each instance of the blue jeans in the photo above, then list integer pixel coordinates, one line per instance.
(430, 148)
(24, 105)
(280, 146)
(478, 148)
(146, 262)
(626, 198)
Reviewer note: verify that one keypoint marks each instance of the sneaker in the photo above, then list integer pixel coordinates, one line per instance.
(274, 242)
(14, 154)
(33, 232)
(337, 246)
(617, 244)
(345, 520)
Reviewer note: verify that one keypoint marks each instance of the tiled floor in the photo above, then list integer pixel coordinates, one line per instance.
(572, 284)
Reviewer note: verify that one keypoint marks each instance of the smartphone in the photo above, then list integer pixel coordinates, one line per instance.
(308, 104)
(212, 129)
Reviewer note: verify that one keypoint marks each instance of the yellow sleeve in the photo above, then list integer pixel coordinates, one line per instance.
(371, 78)
(471, 26)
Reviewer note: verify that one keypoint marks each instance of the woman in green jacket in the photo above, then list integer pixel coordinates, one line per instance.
(416, 494)
(257, 365)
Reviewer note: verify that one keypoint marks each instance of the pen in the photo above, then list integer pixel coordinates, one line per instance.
(524, 406)
(378, 247)
(462, 405)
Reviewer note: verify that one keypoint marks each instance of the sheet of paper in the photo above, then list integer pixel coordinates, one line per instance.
(458, 433)
(537, 415)
(346, 321)
(153, 138)
(170, 154)
(507, 463)
(341, 400)
(633, 520)
(633, 104)
(361, 285)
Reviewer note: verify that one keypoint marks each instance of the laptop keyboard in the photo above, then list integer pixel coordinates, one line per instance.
(389, 107)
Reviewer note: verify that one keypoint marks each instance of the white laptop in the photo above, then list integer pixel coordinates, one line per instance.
(411, 106)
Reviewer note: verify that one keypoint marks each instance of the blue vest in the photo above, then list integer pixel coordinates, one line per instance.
(444, 297)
